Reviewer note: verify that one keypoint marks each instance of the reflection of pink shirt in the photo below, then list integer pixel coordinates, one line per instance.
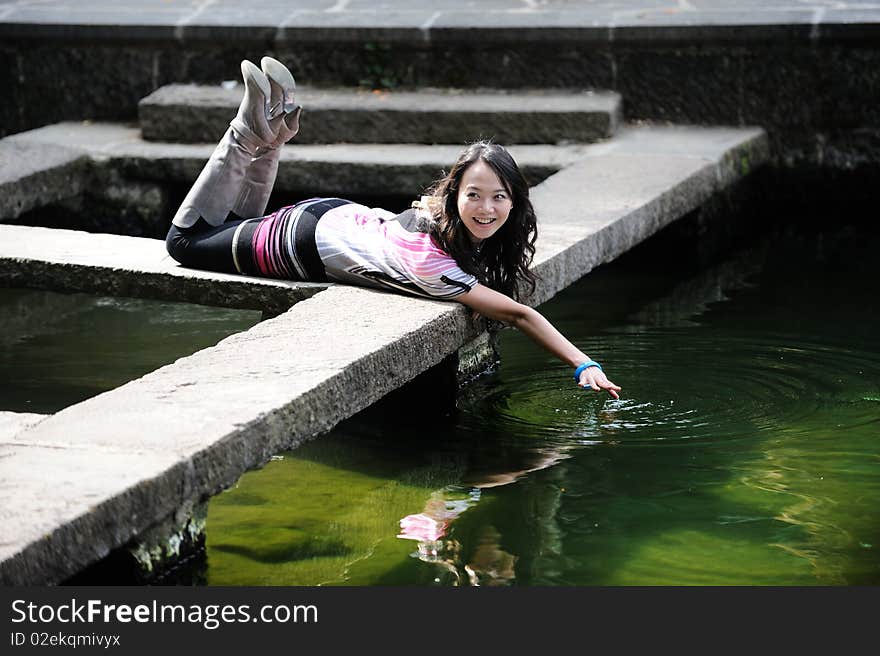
(364, 246)
(422, 527)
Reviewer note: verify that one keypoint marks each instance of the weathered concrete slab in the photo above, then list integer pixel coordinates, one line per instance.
(15, 422)
(31, 175)
(187, 430)
(632, 187)
(74, 261)
(305, 170)
(200, 114)
(73, 483)
(315, 20)
(191, 428)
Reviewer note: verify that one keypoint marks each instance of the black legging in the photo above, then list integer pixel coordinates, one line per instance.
(203, 246)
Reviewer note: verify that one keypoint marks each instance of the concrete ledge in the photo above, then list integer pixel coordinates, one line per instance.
(305, 170)
(193, 114)
(632, 187)
(401, 22)
(73, 261)
(122, 462)
(119, 461)
(31, 175)
(15, 422)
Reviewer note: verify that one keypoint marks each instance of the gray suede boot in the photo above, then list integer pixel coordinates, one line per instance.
(284, 116)
(213, 195)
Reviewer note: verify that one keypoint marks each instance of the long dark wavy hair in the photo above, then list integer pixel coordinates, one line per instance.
(501, 261)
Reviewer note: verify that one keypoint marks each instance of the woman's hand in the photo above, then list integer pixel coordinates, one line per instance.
(498, 307)
(595, 379)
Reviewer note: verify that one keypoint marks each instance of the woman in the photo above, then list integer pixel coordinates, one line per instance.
(471, 240)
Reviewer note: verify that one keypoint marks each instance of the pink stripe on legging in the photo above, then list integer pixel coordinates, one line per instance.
(263, 258)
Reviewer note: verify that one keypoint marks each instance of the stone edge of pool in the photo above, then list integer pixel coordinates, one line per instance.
(112, 467)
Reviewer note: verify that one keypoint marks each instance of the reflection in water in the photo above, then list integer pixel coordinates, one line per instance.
(745, 450)
(489, 564)
(428, 528)
(431, 524)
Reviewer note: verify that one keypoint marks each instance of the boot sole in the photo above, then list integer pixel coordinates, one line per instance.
(278, 73)
(250, 73)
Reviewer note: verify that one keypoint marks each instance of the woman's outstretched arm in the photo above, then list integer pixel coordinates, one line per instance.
(499, 307)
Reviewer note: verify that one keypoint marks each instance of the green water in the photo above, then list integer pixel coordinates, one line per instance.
(745, 449)
(60, 349)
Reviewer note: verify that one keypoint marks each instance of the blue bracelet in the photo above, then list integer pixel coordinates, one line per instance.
(585, 365)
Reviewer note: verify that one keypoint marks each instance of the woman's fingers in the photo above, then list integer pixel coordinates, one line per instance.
(597, 381)
(613, 391)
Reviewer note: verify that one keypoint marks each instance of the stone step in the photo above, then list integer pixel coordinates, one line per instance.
(32, 175)
(96, 474)
(403, 170)
(196, 114)
(117, 265)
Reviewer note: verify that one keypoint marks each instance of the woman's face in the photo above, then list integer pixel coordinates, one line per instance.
(483, 202)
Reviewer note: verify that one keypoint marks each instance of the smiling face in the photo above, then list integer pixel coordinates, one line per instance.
(483, 202)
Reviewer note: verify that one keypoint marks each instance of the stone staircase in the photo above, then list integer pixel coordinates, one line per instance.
(353, 143)
(112, 470)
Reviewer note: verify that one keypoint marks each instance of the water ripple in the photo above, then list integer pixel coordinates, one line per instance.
(681, 385)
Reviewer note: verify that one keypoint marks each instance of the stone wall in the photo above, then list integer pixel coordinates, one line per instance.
(815, 95)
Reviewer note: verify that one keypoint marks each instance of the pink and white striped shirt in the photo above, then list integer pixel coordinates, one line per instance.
(364, 246)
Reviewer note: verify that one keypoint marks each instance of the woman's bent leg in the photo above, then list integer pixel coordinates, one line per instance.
(214, 194)
(202, 246)
(251, 247)
(284, 116)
